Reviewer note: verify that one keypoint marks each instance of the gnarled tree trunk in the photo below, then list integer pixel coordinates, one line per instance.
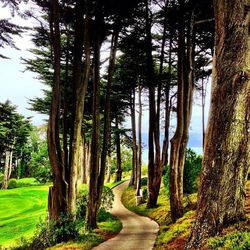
(227, 148)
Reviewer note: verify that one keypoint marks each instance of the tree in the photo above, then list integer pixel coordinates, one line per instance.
(15, 130)
(226, 155)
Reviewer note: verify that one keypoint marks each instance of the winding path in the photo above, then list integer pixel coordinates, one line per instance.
(138, 232)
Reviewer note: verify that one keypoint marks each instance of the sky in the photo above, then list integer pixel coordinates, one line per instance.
(19, 86)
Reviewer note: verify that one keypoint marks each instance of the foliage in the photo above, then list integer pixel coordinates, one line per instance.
(82, 202)
(14, 132)
(192, 169)
(40, 165)
(165, 179)
(12, 183)
(107, 199)
(235, 240)
(144, 181)
(50, 233)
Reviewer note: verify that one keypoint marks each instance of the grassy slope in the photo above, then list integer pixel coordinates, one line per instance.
(174, 236)
(20, 210)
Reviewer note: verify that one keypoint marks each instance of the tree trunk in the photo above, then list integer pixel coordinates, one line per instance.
(108, 169)
(10, 163)
(226, 155)
(57, 200)
(107, 122)
(80, 80)
(152, 193)
(138, 182)
(84, 159)
(167, 106)
(187, 101)
(118, 152)
(6, 170)
(93, 200)
(175, 196)
(134, 142)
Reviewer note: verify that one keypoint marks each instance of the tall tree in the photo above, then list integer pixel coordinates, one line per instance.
(226, 155)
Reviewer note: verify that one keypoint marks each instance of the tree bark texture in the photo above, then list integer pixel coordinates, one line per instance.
(107, 122)
(133, 177)
(138, 176)
(6, 170)
(184, 111)
(175, 197)
(93, 198)
(57, 200)
(227, 148)
(118, 151)
(80, 80)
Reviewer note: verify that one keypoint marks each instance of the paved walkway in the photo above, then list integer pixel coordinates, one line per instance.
(138, 232)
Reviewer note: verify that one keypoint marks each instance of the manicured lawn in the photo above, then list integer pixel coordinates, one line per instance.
(20, 210)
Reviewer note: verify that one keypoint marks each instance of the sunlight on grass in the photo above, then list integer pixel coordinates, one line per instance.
(20, 210)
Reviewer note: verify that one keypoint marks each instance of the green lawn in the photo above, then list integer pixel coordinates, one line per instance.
(20, 210)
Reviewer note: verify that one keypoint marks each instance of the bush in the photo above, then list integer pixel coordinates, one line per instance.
(107, 198)
(144, 181)
(192, 167)
(82, 201)
(166, 179)
(48, 234)
(12, 183)
(43, 175)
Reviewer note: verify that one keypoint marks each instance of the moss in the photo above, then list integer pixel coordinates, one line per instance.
(161, 214)
(232, 241)
(181, 228)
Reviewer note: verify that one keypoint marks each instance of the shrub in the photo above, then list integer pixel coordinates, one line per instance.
(107, 198)
(144, 181)
(53, 232)
(82, 200)
(166, 179)
(12, 183)
(192, 169)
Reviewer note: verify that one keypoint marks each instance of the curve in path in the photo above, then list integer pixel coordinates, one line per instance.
(138, 232)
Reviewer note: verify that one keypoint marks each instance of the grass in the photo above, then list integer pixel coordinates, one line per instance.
(20, 210)
(161, 214)
(174, 236)
(22, 207)
(114, 184)
(106, 230)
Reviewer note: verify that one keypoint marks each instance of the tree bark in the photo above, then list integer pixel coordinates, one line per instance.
(6, 170)
(80, 80)
(57, 200)
(93, 200)
(226, 156)
(167, 105)
(108, 169)
(187, 100)
(138, 182)
(118, 152)
(175, 196)
(107, 122)
(134, 141)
